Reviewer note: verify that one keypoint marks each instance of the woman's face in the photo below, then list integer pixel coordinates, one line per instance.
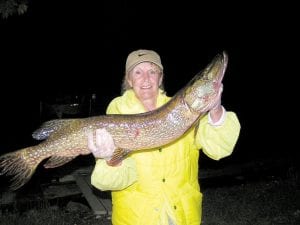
(145, 79)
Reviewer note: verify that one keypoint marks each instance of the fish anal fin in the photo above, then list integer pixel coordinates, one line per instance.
(56, 161)
(118, 156)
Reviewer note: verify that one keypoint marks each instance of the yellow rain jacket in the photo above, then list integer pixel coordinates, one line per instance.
(159, 186)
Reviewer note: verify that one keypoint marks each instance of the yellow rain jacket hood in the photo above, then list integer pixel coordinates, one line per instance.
(158, 186)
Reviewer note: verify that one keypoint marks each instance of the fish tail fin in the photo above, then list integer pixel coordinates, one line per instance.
(17, 165)
(118, 156)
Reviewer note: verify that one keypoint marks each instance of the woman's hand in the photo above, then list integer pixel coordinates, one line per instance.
(102, 146)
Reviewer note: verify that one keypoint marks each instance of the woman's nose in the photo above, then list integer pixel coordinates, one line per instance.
(146, 77)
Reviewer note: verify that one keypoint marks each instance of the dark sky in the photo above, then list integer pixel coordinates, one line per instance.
(74, 48)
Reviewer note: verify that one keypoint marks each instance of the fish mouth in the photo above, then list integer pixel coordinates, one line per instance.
(223, 62)
(223, 66)
(217, 83)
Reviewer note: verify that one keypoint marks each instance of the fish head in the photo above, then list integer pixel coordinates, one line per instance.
(204, 90)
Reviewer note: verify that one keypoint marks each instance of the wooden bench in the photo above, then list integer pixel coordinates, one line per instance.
(100, 203)
(79, 182)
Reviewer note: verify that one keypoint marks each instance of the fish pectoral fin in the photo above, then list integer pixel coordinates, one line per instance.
(56, 161)
(118, 156)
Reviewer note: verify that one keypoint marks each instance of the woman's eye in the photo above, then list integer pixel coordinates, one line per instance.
(152, 72)
(137, 73)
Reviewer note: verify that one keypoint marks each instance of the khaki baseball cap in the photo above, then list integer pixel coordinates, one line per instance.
(142, 55)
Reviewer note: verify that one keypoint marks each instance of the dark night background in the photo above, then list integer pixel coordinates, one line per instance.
(74, 48)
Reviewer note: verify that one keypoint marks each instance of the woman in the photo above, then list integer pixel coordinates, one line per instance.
(158, 186)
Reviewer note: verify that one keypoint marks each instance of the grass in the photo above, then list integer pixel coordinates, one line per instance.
(266, 202)
(51, 215)
(271, 202)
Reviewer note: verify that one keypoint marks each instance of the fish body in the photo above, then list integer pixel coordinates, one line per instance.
(65, 139)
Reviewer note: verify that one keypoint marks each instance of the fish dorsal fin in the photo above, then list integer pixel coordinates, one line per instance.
(55, 161)
(118, 156)
(49, 127)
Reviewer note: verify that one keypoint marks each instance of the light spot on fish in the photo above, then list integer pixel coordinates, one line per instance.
(173, 119)
(196, 104)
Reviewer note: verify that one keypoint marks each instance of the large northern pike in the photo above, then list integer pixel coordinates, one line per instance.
(65, 139)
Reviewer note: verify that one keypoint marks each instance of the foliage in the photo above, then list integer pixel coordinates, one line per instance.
(12, 7)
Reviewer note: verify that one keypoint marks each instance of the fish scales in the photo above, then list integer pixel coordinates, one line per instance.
(64, 139)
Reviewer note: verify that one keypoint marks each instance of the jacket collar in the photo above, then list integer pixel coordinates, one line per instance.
(131, 104)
